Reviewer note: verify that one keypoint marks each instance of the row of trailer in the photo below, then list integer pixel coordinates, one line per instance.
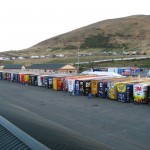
(123, 89)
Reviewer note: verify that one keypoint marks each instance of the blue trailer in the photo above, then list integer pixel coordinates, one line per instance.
(49, 82)
(125, 92)
(82, 87)
(1, 75)
(102, 89)
(17, 78)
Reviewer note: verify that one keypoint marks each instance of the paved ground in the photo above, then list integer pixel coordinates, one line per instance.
(43, 113)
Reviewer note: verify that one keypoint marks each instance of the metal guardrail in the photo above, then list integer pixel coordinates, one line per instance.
(113, 59)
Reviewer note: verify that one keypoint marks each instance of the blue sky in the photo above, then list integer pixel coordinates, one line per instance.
(24, 23)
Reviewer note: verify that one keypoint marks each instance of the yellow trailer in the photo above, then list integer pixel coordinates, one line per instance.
(112, 87)
(57, 83)
(94, 87)
(26, 78)
(54, 83)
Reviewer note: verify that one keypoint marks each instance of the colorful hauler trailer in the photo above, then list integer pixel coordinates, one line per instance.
(8, 76)
(112, 87)
(148, 93)
(1, 75)
(125, 89)
(21, 77)
(141, 93)
(14, 77)
(4, 76)
(40, 80)
(102, 89)
(70, 82)
(125, 92)
(26, 79)
(102, 86)
(45, 81)
(64, 83)
(94, 84)
(17, 77)
(82, 87)
(60, 82)
(94, 87)
(129, 71)
(57, 83)
(111, 90)
(33, 80)
(86, 87)
(49, 82)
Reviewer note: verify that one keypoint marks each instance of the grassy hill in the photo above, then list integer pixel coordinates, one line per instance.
(130, 33)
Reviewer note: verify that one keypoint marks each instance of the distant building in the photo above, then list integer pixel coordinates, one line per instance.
(13, 58)
(68, 69)
(50, 68)
(48, 56)
(58, 55)
(114, 53)
(42, 56)
(1, 67)
(14, 67)
(34, 57)
(4, 58)
(20, 57)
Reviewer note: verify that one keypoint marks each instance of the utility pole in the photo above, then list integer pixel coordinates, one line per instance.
(78, 57)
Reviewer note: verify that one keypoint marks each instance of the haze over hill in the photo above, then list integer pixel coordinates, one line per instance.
(130, 33)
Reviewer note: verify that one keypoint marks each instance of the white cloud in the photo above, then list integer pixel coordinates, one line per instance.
(27, 22)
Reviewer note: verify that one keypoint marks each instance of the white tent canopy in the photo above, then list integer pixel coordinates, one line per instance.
(102, 73)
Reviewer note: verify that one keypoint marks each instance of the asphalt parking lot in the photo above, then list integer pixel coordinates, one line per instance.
(116, 125)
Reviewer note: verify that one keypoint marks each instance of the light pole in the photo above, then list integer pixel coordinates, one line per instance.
(78, 57)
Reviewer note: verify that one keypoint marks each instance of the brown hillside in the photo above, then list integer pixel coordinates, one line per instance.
(131, 32)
